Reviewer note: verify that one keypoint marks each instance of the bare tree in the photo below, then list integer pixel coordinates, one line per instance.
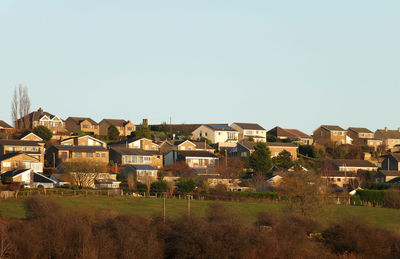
(20, 107)
(83, 172)
(14, 108)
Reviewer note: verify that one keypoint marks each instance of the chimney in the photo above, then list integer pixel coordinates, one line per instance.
(40, 110)
(145, 122)
(398, 129)
(386, 129)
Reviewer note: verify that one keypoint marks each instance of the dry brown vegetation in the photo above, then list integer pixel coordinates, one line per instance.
(52, 232)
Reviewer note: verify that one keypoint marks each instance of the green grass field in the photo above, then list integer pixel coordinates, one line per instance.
(389, 218)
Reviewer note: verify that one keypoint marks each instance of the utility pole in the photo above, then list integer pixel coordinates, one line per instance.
(226, 158)
(188, 205)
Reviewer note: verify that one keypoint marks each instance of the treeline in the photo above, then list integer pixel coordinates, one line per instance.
(51, 232)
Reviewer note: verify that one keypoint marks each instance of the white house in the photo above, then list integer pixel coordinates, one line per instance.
(250, 130)
(223, 135)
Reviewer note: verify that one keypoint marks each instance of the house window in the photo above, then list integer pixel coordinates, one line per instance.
(85, 126)
(341, 133)
(13, 149)
(34, 149)
(141, 173)
(190, 148)
(6, 164)
(153, 148)
(151, 173)
(97, 155)
(243, 154)
(183, 148)
(334, 133)
(78, 154)
(103, 155)
(89, 154)
(24, 149)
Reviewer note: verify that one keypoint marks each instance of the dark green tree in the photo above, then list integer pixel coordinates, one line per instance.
(141, 188)
(159, 187)
(112, 133)
(186, 186)
(310, 151)
(142, 131)
(43, 132)
(283, 159)
(260, 160)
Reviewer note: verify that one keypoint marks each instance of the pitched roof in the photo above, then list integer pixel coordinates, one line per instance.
(13, 173)
(17, 142)
(5, 125)
(39, 178)
(352, 163)
(78, 120)
(251, 145)
(202, 145)
(37, 115)
(289, 133)
(250, 126)
(332, 127)
(360, 130)
(9, 155)
(218, 127)
(142, 167)
(388, 134)
(297, 133)
(116, 122)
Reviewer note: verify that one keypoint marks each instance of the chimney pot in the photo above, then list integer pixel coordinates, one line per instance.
(386, 129)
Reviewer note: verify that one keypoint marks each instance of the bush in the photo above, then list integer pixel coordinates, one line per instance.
(375, 197)
(392, 199)
(43, 132)
(141, 187)
(354, 236)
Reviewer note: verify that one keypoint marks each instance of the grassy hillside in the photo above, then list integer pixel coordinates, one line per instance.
(389, 218)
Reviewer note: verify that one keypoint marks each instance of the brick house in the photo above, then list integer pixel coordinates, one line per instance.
(331, 134)
(40, 117)
(250, 130)
(124, 127)
(390, 138)
(75, 124)
(84, 147)
(294, 135)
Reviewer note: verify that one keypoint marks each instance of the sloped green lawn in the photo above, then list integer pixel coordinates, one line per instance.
(389, 218)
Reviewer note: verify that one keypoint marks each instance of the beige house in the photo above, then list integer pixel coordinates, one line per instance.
(294, 135)
(32, 148)
(40, 117)
(250, 131)
(364, 137)
(390, 138)
(84, 147)
(143, 143)
(331, 134)
(124, 127)
(13, 161)
(75, 124)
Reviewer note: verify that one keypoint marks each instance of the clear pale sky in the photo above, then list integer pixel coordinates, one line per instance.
(297, 64)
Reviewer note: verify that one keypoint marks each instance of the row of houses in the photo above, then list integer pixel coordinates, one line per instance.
(144, 157)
